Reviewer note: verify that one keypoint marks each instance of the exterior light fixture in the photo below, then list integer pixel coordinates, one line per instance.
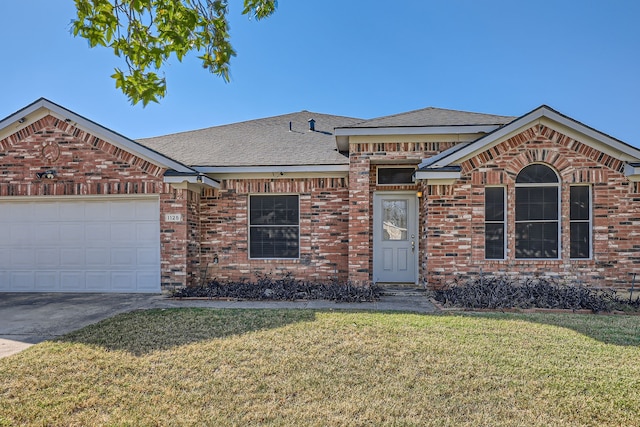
(419, 194)
(216, 260)
(48, 174)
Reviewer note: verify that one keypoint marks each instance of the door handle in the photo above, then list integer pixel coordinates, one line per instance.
(413, 246)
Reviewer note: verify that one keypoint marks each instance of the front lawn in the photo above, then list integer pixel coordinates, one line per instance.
(301, 367)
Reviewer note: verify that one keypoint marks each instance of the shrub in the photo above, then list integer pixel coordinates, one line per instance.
(286, 287)
(502, 293)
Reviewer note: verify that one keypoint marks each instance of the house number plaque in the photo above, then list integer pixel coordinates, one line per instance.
(176, 217)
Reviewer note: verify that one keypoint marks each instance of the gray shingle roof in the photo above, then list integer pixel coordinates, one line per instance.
(261, 142)
(433, 117)
(271, 142)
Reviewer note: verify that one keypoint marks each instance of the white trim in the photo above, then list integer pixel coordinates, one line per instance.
(558, 220)
(415, 130)
(88, 197)
(529, 119)
(342, 134)
(44, 107)
(632, 172)
(191, 179)
(272, 169)
(249, 196)
(437, 175)
(589, 221)
(504, 223)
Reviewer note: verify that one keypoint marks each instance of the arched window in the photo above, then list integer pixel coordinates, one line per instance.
(537, 213)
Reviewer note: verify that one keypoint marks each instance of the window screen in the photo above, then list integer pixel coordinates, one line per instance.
(580, 221)
(494, 226)
(274, 226)
(537, 214)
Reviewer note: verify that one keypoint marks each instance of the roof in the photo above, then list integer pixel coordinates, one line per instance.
(431, 116)
(595, 138)
(280, 140)
(42, 107)
(442, 164)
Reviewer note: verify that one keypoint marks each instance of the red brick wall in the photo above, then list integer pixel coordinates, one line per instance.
(88, 165)
(323, 229)
(365, 158)
(454, 221)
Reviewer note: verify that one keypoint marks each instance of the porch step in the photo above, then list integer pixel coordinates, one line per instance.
(402, 290)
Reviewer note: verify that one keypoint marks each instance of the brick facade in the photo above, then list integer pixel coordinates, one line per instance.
(86, 165)
(454, 220)
(336, 212)
(365, 158)
(324, 227)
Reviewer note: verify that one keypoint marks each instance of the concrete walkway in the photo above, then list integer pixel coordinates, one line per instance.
(30, 318)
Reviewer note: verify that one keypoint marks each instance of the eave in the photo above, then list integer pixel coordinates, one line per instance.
(442, 176)
(343, 134)
(43, 107)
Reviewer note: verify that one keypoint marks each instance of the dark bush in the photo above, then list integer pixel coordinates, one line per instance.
(286, 287)
(503, 293)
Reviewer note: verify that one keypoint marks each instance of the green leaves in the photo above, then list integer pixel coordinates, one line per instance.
(146, 33)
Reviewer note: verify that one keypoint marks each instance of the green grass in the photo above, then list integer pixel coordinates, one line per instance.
(289, 367)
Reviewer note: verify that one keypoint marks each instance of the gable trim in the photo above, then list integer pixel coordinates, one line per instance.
(42, 107)
(614, 146)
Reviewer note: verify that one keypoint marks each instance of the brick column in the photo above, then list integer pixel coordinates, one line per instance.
(359, 219)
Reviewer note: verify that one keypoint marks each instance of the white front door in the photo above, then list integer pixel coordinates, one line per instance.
(395, 242)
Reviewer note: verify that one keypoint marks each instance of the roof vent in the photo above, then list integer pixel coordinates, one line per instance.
(312, 125)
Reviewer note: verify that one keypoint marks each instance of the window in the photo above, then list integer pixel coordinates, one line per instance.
(580, 221)
(537, 213)
(494, 225)
(274, 226)
(394, 224)
(395, 176)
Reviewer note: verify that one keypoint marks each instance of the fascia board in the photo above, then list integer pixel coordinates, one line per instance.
(43, 107)
(632, 172)
(273, 169)
(437, 175)
(191, 179)
(546, 116)
(343, 134)
(417, 130)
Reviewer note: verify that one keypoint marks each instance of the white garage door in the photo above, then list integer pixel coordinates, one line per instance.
(80, 245)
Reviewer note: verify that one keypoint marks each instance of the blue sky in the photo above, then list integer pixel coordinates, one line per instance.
(354, 58)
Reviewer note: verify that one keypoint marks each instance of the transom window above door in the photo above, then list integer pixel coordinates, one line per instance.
(395, 176)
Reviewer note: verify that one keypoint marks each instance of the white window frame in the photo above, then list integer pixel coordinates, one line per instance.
(558, 185)
(589, 221)
(249, 226)
(504, 223)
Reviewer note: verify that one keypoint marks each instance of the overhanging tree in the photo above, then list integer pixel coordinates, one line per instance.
(146, 33)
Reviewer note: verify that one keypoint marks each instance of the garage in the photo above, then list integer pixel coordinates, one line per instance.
(80, 244)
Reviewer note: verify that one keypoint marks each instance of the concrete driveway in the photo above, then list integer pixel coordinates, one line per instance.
(30, 318)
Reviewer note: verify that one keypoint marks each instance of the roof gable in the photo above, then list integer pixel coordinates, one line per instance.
(43, 107)
(549, 117)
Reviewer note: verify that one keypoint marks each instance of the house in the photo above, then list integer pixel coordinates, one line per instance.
(428, 197)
